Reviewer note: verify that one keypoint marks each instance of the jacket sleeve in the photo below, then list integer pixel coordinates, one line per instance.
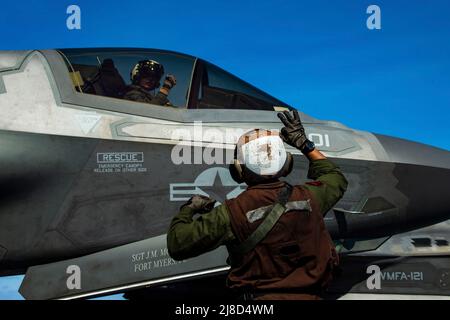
(188, 237)
(329, 185)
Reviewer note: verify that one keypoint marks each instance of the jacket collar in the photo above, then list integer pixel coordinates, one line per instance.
(139, 88)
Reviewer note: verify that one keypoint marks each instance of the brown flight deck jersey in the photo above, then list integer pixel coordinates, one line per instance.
(296, 258)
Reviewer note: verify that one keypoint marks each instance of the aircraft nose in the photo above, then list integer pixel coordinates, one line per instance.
(423, 174)
(404, 151)
(417, 196)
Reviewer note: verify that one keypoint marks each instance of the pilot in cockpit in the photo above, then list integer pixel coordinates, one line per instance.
(145, 77)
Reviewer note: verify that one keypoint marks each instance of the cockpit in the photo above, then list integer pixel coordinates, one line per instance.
(199, 84)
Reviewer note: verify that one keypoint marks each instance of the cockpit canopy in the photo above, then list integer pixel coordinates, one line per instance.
(200, 84)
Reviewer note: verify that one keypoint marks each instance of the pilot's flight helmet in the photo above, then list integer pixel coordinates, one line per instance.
(147, 69)
(259, 157)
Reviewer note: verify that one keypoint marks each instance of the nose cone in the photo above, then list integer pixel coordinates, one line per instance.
(409, 191)
(423, 174)
(409, 152)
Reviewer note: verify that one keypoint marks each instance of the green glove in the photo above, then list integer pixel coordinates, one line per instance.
(200, 204)
(293, 132)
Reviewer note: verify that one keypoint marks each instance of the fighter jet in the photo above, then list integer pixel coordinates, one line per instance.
(90, 182)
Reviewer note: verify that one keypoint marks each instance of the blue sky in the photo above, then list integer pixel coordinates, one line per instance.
(9, 287)
(317, 56)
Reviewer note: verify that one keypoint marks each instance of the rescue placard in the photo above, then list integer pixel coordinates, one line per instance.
(120, 162)
(119, 157)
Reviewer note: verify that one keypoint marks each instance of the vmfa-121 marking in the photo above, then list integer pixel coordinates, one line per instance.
(90, 179)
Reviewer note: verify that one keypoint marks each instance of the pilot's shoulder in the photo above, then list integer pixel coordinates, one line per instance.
(136, 93)
(133, 89)
(129, 91)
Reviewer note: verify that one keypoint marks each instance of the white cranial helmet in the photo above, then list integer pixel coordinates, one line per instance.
(261, 153)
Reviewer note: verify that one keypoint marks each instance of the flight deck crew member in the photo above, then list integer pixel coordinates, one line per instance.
(146, 76)
(295, 257)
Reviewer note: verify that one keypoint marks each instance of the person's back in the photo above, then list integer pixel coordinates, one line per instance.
(275, 233)
(296, 259)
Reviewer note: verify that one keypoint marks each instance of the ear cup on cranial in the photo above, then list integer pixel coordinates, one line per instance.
(288, 165)
(236, 171)
(235, 168)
